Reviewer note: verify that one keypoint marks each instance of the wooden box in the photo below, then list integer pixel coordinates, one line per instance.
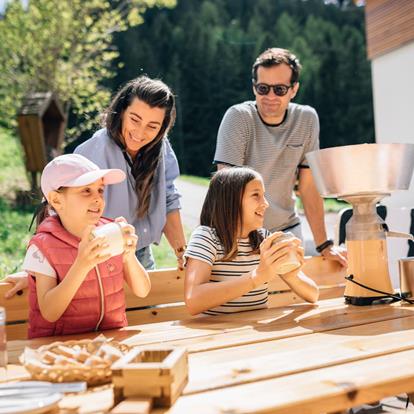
(157, 373)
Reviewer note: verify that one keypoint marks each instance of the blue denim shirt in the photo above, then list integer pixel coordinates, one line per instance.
(121, 199)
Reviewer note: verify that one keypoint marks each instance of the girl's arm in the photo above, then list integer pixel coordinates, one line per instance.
(201, 295)
(302, 285)
(134, 273)
(54, 298)
(136, 276)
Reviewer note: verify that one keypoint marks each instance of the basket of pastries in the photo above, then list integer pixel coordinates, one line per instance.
(87, 360)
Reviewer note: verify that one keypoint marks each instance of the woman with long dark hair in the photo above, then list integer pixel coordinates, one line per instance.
(134, 140)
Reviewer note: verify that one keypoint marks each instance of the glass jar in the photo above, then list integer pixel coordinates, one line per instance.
(3, 341)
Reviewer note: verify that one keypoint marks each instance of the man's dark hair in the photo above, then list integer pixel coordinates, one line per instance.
(276, 56)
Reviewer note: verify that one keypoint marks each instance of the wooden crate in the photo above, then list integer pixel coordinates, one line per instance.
(157, 373)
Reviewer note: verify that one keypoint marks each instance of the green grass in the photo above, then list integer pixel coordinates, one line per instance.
(331, 205)
(164, 255)
(14, 236)
(14, 222)
(12, 172)
(195, 180)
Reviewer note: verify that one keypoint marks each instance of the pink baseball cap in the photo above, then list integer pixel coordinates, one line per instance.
(74, 170)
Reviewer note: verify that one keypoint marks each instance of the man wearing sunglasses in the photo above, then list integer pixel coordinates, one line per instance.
(272, 135)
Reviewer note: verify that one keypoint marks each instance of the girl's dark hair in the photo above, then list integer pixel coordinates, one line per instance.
(41, 212)
(154, 93)
(222, 208)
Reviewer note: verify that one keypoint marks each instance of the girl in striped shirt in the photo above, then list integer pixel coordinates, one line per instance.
(230, 257)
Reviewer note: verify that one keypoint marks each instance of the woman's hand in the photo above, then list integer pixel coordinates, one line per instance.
(273, 253)
(130, 238)
(20, 282)
(179, 253)
(90, 250)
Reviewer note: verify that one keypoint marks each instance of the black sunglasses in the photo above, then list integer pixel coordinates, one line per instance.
(264, 88)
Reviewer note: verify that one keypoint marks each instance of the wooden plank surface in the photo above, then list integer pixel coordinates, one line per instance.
(165, 301)
(210, 333)
(213, 332)
(167, 286)
(13, 373)
(17, 308)
(271, 359)
(389, 25)
(158, 314)
(323, 390)
(298, 359)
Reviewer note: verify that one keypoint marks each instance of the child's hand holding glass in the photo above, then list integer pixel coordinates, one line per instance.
(91, 250)
(119, 238)
(280, 254)
(129, 236)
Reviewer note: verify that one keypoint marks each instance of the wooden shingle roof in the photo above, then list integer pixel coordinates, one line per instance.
(37, 104)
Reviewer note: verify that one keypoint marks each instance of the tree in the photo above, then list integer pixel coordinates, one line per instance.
(205, 49)
(64, 47)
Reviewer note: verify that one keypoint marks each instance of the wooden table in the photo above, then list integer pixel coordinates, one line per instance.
(296, 359)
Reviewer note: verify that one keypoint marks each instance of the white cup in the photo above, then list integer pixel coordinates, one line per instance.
(114, 237)
(290, 261)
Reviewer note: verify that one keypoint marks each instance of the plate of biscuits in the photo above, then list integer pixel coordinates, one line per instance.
(87, 360)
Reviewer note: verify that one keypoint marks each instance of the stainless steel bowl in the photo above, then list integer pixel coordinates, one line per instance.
(361, 169)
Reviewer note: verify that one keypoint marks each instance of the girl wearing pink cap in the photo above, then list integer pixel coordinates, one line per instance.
(134, 139)
(76, 286)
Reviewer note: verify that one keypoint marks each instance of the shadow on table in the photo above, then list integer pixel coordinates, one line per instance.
(359, 318)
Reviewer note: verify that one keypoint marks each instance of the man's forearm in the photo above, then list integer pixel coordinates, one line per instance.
(314, 212)
(313, 205)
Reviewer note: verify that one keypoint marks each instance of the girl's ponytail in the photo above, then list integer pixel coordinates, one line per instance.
(41, 212)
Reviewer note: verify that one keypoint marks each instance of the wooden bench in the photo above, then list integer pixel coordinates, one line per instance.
(165, 302)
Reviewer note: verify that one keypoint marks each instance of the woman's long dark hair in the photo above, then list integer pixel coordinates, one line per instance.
(154, 93)
(222, 208)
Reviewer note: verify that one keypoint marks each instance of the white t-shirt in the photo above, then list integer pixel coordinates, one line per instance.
(205, 245)
(36, 262)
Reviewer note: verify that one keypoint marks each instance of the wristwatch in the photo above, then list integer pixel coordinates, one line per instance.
(324, 245)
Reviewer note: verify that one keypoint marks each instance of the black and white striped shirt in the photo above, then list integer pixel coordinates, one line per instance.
(206, 246)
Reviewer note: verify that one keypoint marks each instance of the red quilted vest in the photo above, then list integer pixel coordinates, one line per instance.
(98, 304)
